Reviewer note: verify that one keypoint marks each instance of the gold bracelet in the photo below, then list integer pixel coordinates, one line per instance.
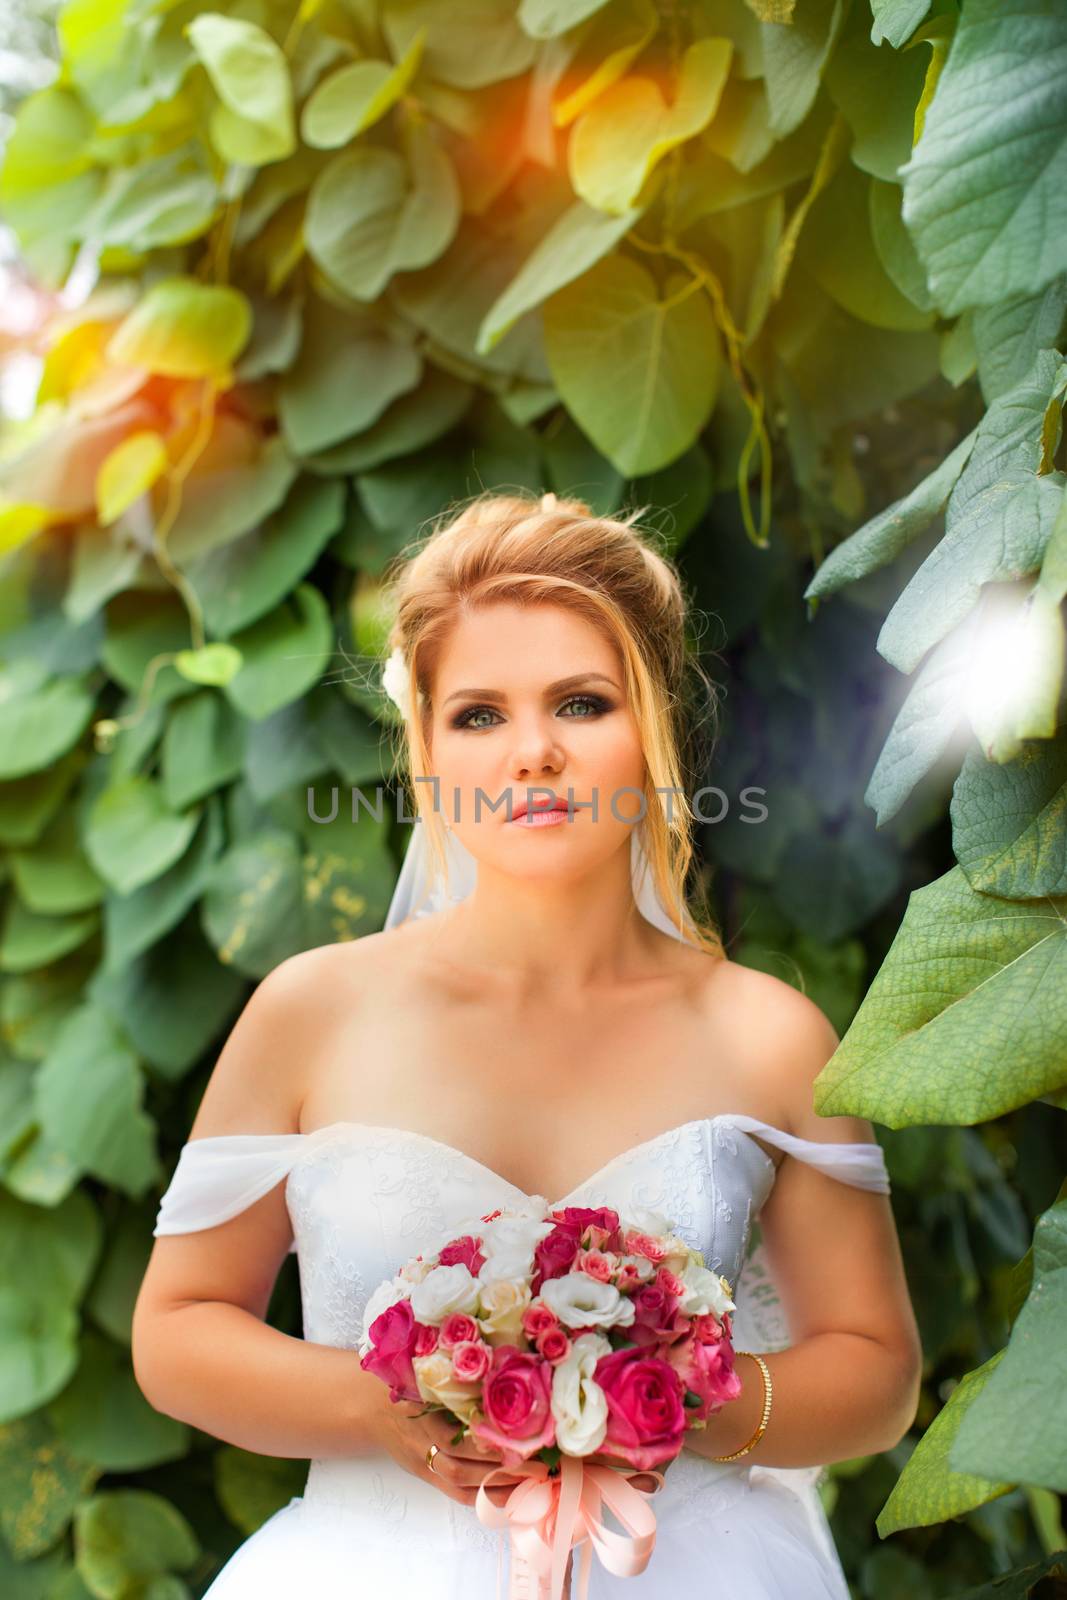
(761, 1427)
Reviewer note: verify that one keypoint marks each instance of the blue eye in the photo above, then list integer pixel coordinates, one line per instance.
(594, 705)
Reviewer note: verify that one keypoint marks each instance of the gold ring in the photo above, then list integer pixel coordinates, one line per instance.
(431, 1452)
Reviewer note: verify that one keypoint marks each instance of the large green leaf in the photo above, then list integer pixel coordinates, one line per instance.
(41, 1481)
(39, 721)
(1008, 821)
(985, 190)
(978, 1035)
(125, 1540)
(184, 329)
(53, 875)
(478, 43)
(794, 54)
(88, 1097)
(133, 922)
(638, 371)
(252, 1487)
(103, 1418)
(284, 653)
(883, 538)
(371, 213)
(575, 242)
(1017, 1425)
(203, 748)
(132, 836)
(1009, 334)
(928, 1490)
(348, 371)
(355, 97)
(253, 122)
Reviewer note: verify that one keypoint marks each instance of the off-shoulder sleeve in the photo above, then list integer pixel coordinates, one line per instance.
(220, 1176)
(861, 1164)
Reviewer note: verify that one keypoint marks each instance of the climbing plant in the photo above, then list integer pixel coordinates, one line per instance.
(792, 273)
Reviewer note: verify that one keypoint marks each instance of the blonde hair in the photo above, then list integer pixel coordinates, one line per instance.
(519, 548)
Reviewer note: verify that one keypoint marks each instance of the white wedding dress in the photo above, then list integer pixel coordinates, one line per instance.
(362, 1199)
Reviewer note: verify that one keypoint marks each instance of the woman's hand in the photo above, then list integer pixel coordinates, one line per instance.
(409, 1428)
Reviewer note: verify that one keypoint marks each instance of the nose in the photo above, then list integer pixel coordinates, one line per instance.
(537, 752)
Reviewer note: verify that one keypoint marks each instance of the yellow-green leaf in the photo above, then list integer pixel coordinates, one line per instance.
(184, 329)
(253, 123)
(356, 96)
(130, 469)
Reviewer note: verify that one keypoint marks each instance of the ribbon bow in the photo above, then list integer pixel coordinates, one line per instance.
(545, 1516)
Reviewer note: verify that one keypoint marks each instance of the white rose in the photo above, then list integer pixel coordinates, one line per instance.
(503, 1304)
(414, 1271)
(577, 1299)
(705, 1291)
(437, 1383)
(579, 1405)
(510, 1235)
(385, 1295)
(442, 1291)
(643, 1220)
(396, 682)
(506, 1267)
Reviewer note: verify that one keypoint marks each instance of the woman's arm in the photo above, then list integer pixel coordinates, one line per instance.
(202, 1351)
(848, 1385)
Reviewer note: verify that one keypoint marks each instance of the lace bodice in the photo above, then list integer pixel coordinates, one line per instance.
(362, 1198)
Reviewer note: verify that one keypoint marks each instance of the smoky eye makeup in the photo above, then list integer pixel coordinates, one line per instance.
(594, 705)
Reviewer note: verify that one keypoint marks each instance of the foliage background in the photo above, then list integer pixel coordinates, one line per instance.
(311, 275)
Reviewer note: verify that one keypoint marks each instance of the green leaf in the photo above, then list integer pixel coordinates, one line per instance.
(984, 191)
(968, 1043)
(878, 91)
(409, 423)
(41, 1482)
(39, 722)
(31, 939)
(203, 749)
(133, 922)
(53, 877)
(124, 1539)
(883, 538)
(221, 504)
(103, 1418)
(117, 1284)
(355, 97)
(371, 213)
(284, 653)
(1024, 1583)
(1009, 334)
(928, 1490)
(794, 54)
(46, 1259)
(184, 329)
(1016, 1426)
(1008, 822)
(578, 239)
(348, 371)
(638, 373)
(132, 836)
(546, 19)
(254, 122)
(838, 249)
(478, 44)
(252, 1488)
(896, 20)
(616, 144)
(88, 1098)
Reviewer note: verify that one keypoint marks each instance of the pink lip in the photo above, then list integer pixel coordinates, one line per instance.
(540, 815)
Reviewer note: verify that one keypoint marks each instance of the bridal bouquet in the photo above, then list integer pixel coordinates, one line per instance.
(552, 1335)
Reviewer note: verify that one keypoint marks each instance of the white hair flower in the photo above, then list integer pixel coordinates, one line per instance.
(396, 682)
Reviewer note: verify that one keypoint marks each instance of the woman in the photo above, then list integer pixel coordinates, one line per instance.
(541, 1017)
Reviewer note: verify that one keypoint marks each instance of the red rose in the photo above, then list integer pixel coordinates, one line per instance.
(464, 1252)
(554, 1255)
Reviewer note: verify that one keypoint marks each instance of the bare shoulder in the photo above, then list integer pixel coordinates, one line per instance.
(257, 1084)
(788, 1039)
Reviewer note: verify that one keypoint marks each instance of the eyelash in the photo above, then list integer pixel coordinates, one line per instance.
(599, 705)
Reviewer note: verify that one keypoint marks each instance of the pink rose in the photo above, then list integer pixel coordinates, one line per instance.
(643, 1244)
(553, 1345)
(470, 1360)
(537, 1319)
(708, 1329)
(458, 1328)
(628, 1278)
(554, 1254)
(646, 1414)
(670, 1282)
(708, 1370)
(596, 1264)
(653, 1314)
(517, 1417)
(464, 1252)
(597, 1225)
(425, 1339)
(392, 1338)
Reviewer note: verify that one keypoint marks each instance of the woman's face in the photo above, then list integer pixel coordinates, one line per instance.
(533, 696)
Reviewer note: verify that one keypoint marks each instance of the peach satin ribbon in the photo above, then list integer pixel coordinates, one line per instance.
(546, 1516)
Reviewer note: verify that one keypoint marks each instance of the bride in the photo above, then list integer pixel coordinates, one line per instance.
(541, 1016)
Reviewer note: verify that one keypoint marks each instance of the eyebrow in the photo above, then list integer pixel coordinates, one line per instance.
(551, 688)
